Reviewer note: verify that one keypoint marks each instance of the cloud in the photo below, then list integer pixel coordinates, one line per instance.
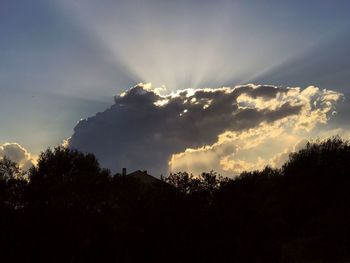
(17, 154)
(194, 129)
(267, 144)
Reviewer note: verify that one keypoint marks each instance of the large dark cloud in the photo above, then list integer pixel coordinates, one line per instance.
(143, 129)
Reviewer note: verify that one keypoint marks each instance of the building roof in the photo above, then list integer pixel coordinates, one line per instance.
(144, 177)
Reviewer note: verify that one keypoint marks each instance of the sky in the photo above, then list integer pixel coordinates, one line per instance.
(62, 62)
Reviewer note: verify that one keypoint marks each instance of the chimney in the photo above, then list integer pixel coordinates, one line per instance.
(124, 171)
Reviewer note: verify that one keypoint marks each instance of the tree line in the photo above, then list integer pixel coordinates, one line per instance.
(69, 209)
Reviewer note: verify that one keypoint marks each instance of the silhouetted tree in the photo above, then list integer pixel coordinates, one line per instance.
(9, 170)
(71, 210)
(68, 178)
(12, 184)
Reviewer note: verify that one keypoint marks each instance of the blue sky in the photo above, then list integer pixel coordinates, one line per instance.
(63, 60)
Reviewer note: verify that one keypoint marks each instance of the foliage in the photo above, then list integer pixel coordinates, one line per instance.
(72, 210)
(9, 170)
(12, 185)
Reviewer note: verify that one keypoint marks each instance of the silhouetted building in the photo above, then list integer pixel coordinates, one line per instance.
(142, 176)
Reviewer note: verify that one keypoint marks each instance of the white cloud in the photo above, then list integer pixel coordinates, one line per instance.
(17, 154)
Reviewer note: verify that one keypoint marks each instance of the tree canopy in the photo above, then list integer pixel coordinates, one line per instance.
(68, 209)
